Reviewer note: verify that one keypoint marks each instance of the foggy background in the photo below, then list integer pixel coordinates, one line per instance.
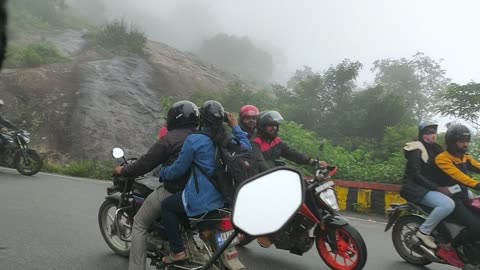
(313, 32)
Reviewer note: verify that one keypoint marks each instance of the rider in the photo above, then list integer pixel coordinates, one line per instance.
(182, 120)
(268, 147)
(5, 125)
(271, 145)
(248, 120)
(417, 184)
(197, 155)
(455, 162)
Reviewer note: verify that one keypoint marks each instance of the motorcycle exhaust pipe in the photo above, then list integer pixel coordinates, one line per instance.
(430, 254)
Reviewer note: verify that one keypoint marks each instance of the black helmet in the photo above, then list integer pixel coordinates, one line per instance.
(212, 113)
(266, 118)
(454, 134)
(182, 114)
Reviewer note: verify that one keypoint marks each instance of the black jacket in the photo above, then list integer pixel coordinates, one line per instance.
(419, 175)
(271, 151)
(5, 123)
(164, 152)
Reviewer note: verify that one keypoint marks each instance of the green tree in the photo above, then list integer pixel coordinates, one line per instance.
(462, 101)
(417, 79)
(311, 97)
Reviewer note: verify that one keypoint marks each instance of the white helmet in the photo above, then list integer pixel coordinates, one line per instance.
(1, 102)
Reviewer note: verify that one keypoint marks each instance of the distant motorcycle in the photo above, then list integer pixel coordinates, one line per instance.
(17, 155)
(202, 235)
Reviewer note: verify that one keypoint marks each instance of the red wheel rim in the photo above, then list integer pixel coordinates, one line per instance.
(346, 257)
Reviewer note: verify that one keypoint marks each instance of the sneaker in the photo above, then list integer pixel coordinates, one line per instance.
(428, 240)
(450, 256)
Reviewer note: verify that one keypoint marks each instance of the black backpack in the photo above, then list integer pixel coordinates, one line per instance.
(234, 164)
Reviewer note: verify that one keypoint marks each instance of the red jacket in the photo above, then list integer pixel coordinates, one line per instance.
(275, 149)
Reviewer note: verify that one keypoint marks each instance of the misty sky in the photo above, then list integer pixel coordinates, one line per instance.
(320, 33)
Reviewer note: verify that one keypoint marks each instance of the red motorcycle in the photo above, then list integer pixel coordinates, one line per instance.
(339, 244)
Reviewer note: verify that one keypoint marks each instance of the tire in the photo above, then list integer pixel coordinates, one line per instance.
(105, 221)
(401, 232)
(218, 265)
(30, 166)
(352, 250)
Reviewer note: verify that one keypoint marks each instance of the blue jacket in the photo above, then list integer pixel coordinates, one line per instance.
(199, 149)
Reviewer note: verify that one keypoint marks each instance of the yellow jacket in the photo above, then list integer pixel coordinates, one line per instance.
(456, 168)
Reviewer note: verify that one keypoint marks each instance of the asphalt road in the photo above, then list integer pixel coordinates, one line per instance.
(50, 222)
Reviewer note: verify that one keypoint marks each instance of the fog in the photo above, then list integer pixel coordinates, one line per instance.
(319, 33)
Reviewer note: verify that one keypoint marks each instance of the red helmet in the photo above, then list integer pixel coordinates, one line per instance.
(248, 110)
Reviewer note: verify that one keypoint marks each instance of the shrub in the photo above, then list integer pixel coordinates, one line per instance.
(82, 168)
(36, 54)
(118, 37)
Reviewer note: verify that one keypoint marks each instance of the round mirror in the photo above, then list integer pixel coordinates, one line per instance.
(274, 196)
(117, 152)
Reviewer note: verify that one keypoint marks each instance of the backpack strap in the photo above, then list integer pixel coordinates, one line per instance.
(195, 165)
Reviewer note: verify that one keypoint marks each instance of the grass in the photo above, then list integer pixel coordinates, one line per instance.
(82, 168)
(38, 53)
(120, 38)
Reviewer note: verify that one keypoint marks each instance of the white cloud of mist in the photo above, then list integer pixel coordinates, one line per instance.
(320, 33)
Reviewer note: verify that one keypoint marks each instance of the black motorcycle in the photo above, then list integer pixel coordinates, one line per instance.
(407, 218)
(202, 235)
(17, 155)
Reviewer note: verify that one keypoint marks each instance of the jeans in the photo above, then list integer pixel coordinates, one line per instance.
(172, 208)
(442, 207)
(143, 220)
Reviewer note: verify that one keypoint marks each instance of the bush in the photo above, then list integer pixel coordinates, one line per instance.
(36, 54)
(82, 168)
(120, 38)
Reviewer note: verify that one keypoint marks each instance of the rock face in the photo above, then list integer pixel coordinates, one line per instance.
(98, 101)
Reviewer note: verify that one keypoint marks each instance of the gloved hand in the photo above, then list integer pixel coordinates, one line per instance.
(477, 186)
(320, 163)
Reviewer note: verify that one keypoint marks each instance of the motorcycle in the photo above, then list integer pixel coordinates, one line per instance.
(202, 235)
(406, 219)
(17, 155)
(339, 244)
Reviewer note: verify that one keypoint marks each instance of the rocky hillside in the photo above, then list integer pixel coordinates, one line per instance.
(96, 100)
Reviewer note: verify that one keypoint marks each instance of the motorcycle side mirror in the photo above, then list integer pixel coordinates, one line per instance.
(118, 152)
(275, 195)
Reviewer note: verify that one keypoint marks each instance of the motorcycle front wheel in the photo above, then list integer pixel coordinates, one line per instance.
(28, 162)
(109, 230)
(351, 251)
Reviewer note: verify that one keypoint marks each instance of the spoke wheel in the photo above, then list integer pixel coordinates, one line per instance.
(106, 218)
(404, 229)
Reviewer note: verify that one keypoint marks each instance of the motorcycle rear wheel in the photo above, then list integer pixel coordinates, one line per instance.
(106, 217)
(351, 249)
(404, 228)
(28, 164)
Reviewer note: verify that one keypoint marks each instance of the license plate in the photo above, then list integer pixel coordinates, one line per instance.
(222, 238)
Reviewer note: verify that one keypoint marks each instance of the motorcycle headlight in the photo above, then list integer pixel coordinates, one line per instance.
(330, 198)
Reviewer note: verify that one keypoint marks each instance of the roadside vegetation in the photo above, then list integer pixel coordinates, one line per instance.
(36, 54)
(82, 168)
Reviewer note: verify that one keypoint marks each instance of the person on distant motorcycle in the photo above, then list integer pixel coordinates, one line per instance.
(197, 156)
(5, 125)
(182, 120)
(248, 120)
(454, 163)
(418, 186)
(268, 147)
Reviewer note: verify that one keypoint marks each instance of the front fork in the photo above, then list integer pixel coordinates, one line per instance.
(329, 229)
